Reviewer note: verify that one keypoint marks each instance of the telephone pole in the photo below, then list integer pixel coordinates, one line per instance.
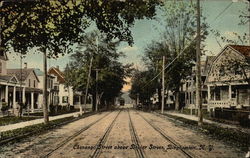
(198, 67)
(87, 87)
(96, 89)
(163, 85)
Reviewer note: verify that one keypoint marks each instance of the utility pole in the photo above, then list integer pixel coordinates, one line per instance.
(45, 87)
(163, 85)
(198, 67)
(87, 87)
(96, 89)
(21, 102)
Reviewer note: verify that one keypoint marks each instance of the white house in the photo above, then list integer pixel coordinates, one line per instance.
(27, 92)
(227, 88)
(7, 82)
(189, 87)
(52, 89)
(65, 93)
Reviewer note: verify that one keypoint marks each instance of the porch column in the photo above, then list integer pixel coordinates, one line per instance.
(208, 93)
(230, 92)
(14, 97)
(6, 93)
(23, 99)
(32, 101)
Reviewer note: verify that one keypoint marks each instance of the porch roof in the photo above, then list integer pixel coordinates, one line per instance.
(27, 89)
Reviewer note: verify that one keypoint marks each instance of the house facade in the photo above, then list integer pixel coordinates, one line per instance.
(52, 89)
(27, 91)
(65, 94)
(8, 85)
(226, 80)
(189, 85)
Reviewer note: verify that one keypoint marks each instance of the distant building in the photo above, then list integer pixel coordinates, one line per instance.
(225, 88)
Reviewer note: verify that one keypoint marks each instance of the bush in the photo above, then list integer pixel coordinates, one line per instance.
(4, 107)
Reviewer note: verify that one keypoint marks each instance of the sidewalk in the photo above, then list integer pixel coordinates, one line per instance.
(33, 122)
(195, 118)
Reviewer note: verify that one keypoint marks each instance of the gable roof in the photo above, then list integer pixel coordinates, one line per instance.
(58, 73)
(244, 50)
(8, 78)
(25, 73)
(208, 64)
(240, 49)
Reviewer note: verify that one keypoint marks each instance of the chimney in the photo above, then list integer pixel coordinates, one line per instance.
(25, 65)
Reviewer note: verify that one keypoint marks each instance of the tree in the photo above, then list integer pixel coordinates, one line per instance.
(112, 73)
(53, 26)
(177, 44)
(239, 66)
(142, 86)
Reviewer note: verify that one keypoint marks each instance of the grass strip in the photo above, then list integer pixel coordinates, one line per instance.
(231, 136)
(17, 134)
(12, 119)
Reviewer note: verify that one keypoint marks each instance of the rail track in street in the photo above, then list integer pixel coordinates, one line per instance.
(168, 138)
(135, 139)
(74, 136)
(101, 142)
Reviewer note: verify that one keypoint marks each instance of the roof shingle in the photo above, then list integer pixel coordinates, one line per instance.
(244, 50)
(25, 73)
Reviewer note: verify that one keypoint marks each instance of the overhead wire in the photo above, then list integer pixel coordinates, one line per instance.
(221, 13)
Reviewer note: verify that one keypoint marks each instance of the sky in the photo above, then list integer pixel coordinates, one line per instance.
(144, 31)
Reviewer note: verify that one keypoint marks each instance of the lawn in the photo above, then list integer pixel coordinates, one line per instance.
(234, 137)
(12, 119)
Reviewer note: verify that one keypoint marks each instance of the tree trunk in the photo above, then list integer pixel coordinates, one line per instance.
(177, 100)
(45, 96)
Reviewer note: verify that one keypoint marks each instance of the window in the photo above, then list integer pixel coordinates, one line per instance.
(34, 83)
(51, 84)
(29, 82)
(65, 99)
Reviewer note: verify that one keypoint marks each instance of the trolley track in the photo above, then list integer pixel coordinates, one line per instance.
(135, 140)
(101, 142)
(168, 138)
(74, 136)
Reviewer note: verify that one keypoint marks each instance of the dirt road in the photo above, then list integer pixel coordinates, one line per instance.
(123, 133)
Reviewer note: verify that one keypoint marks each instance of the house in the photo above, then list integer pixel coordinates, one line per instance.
(189, 85)
(65, 94)
(227, 85)
(27, 91)
(52, 89)
(8, 84)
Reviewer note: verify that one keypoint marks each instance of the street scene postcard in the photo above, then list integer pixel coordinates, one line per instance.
(125, 78)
